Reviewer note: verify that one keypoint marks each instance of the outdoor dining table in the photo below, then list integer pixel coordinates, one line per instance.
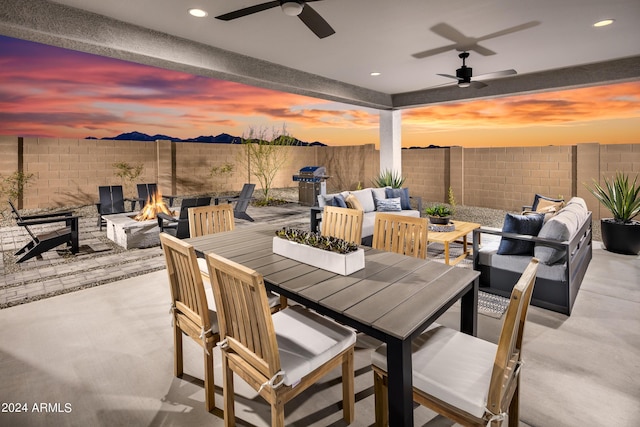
(393, 299)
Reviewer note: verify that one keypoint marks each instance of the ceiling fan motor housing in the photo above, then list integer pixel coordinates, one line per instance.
(464, 73)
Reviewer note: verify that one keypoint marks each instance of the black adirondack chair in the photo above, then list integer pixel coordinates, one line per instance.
(179, 227)
(241, 202)
(145, 191)
(43, 242)
(111, 202)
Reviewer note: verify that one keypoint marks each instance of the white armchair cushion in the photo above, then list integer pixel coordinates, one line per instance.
(450, 365)
(307, 341)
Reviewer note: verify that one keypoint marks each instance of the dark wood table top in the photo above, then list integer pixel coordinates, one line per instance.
(393, 296)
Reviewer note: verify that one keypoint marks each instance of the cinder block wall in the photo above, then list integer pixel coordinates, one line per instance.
(427, 172)
(68, 171)
(508, 177)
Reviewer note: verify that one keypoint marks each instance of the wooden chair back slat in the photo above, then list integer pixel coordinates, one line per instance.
(211, 219)
(244, 315)
(504, 376)
(187, 289)
(342, 223)
(401, 234)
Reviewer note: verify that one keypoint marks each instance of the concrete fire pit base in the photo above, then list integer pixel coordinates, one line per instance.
(129, 233)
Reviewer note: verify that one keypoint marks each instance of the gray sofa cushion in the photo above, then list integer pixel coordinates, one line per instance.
(562, 226)
(379, 194)
(487, 255)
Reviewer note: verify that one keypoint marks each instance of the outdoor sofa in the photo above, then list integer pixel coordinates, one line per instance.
(369, 200)
(563, 246)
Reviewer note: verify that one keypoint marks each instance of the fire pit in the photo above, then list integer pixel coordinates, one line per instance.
(138, 230)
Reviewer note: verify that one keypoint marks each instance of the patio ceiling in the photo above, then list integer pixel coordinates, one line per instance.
(551, 44)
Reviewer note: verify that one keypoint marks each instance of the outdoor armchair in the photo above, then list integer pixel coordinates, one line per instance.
(40, 243)
(111, 202)
(241, 201)
(179, 227)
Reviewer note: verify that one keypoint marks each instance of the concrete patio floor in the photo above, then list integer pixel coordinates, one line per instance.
(103, 356)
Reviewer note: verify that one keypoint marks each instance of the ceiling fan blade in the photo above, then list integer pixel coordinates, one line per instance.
(315, 22)
(248, 10)
(477, 85)
(432, 52)
(449, 76)
(480, 49)
(495, 74)
(510, 30)
(448, 32)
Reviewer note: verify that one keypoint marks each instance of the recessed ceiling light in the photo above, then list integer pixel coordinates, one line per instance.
(604, 23)
(375, 73)
(198, 13)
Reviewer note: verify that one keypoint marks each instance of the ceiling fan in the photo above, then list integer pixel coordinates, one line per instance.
(463, 43)
(464, 74)
(299, 8)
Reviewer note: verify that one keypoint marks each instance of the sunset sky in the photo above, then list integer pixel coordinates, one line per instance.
(52, 92)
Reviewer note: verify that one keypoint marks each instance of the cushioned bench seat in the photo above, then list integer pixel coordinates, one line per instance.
(562, 245)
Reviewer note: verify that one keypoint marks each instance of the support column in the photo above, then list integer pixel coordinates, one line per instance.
(391, 140)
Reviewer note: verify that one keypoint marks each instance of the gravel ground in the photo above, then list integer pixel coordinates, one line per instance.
(485, 216)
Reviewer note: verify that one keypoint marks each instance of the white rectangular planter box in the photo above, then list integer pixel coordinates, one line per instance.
(344, 264)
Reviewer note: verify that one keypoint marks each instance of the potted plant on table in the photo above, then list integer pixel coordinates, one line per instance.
(439, 214)
(620, 234)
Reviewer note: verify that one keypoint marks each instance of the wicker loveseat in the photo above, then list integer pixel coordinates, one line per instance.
(563, 246)
(368, 199)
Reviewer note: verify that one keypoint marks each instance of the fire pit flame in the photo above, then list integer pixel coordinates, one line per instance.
(151, 208)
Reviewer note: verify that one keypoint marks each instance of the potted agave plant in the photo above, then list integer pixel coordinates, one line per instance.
(620, 234)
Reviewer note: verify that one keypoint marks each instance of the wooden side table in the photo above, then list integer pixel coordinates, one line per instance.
(446, 237)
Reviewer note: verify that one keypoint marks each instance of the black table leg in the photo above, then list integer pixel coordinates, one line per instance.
(469, 310)
(400, 383)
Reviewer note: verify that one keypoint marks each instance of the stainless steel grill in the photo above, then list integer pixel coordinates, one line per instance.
(311, 182)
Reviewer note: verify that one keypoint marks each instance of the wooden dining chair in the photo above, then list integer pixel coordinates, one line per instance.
(279, 355)
(466, 379)
(401, 234)
(210, 219)
(191, 313)
(342, 223)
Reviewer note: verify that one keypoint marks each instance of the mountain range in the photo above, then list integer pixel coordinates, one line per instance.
(223, 138)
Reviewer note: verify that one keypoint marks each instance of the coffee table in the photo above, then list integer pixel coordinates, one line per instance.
(446, 237)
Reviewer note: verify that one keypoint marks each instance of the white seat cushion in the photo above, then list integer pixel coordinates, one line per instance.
(307, 341)
(451, 366)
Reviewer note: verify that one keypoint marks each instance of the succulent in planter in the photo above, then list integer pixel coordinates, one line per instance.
(620, 234)
(316, 240)
(439, 214)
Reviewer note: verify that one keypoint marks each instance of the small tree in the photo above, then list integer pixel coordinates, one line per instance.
(13, 186)
(128, 173)
(264, 157)
(219, 173)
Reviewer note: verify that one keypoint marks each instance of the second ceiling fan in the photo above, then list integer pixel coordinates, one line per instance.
(464, 74)
(299, 8)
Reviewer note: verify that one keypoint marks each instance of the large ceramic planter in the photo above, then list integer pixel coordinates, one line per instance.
(621, 238)
(344, 264)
